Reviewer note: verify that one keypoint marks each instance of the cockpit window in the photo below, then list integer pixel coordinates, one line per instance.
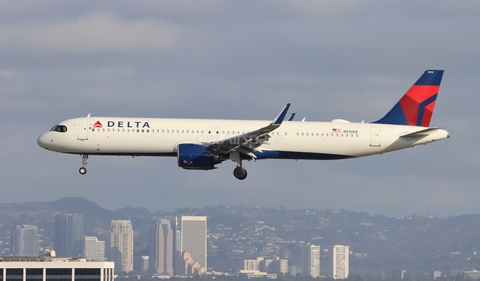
(59, 128)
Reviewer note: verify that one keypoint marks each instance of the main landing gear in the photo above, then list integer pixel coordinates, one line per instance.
(83, 170)
(240, 173)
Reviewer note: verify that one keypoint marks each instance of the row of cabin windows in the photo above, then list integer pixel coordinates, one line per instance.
(325, 135)
(167, 131)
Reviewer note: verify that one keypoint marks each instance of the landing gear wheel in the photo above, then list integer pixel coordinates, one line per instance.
(240, 173)
(83, 170)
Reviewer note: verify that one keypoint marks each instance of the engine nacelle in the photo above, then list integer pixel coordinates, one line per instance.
(196, 157)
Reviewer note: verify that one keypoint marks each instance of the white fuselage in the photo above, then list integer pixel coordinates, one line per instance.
(292, 140)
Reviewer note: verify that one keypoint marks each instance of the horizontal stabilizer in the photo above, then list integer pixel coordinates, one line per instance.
(421, 133)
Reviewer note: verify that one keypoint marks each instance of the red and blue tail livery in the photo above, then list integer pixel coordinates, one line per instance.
(416, 107)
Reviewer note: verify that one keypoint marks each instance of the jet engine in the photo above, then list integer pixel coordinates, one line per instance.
(196, 157)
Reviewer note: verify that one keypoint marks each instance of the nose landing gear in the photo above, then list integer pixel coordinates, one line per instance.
(83, 170)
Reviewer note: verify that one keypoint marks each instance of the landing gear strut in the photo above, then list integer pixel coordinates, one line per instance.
(240, 173)
(83, 170)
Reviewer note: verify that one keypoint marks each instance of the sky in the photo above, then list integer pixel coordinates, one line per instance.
(240, 60)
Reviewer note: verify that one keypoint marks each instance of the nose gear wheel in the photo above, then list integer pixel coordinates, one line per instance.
(83, 170)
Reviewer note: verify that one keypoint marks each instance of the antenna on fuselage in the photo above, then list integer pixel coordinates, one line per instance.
(88, 115)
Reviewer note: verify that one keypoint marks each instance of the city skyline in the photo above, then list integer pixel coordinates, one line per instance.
(260, 223)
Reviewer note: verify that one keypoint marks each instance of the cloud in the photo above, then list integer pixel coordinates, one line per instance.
(98, 32)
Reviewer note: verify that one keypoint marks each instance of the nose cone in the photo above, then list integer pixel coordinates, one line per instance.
(42, 141)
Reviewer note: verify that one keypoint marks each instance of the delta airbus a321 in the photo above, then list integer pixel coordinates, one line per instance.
(201, 144)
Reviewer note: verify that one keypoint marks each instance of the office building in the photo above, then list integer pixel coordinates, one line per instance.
(121, 245)
(94, 249)
(69, 235)
(278, 266)
(140, 264)
(12, 268)
(396, 274)
(161, 247)
(271, 266)
(311, 261)
(472, 274)
(252, 265)
(340, 261)
(24, 241)
(193, 238)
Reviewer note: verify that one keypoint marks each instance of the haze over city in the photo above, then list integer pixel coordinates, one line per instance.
(238, 60)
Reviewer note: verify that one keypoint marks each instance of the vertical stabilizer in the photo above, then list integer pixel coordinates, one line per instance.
(416, 107)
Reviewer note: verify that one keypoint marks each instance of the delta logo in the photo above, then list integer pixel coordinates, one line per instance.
(97, 125)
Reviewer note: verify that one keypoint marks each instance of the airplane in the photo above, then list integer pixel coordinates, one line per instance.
(201, 144)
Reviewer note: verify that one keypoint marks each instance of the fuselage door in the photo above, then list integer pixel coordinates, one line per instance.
(375, 137)
(82, 130)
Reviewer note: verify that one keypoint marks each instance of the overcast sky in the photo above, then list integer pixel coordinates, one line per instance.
(240, 60)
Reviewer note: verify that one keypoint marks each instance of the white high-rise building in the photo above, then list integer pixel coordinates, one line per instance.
(24, 241)
(311, 261)
(94, 249)
(161, 247)
(340, 262)
(121, 245)
(193, 238)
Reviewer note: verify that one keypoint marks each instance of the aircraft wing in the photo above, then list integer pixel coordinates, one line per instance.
(247, 142)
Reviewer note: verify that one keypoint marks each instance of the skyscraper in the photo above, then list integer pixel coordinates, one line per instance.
(69, 235)
(161, 247)
(94, 249)
(311, 261)
(194, 238)
(24, 241)
(340, 262)
(121, 245)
